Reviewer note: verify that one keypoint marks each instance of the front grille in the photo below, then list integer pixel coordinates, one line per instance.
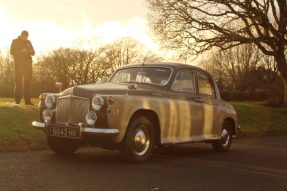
(72, 109)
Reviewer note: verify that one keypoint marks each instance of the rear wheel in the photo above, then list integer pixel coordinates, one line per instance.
(139, 140)
(63, 146)
(223, 145)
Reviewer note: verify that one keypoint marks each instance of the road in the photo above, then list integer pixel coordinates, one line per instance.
(252, 164)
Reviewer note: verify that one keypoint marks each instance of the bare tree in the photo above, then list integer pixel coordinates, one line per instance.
(6, 75)
(74, 66)
(122, 52)
(196, 26)
(243, 72)
(70, 66)
(128, 51)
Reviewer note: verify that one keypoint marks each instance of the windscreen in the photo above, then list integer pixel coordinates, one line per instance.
(152, 75)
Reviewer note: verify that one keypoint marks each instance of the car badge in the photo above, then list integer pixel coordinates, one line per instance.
(67, 124)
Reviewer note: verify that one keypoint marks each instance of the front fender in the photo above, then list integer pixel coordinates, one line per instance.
(123, 110)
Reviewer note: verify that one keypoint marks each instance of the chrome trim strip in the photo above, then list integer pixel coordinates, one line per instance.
(38, 125)
(72, 96)
(100, 131)
(191, 140)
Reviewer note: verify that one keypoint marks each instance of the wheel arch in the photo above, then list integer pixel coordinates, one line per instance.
(151, 115)
(232, 123)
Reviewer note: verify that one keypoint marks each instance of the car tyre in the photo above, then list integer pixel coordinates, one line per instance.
(139, 140)
(63, 146)
(223, 145)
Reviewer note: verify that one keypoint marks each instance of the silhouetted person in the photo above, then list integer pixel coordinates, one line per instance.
(22, 51)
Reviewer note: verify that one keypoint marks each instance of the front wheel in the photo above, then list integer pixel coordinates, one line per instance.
(63, 146)
(223, 145)
(139, 140)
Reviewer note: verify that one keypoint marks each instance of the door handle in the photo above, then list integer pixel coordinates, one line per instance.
(199, 100)
(156, 94)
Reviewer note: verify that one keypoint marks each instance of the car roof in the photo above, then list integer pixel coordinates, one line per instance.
(175, 66)
(172, 65)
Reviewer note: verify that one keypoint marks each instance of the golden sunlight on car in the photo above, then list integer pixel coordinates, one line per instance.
(139, 107)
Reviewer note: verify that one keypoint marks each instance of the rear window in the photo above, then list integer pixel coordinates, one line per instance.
(205, 86)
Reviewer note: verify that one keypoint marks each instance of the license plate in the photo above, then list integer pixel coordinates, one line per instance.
(64, 132)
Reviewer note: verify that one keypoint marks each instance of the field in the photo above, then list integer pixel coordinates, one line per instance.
(16, 131)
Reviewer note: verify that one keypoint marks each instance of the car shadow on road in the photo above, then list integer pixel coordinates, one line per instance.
(185, 150)
(113, 158)
(89, 156)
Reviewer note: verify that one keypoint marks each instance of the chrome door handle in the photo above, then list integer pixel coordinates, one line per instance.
(156, 94)
(199, 100)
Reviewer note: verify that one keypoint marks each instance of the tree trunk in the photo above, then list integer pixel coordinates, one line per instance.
(284, 91)
(282, 67)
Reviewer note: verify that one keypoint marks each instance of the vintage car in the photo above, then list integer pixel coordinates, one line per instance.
(139, 106)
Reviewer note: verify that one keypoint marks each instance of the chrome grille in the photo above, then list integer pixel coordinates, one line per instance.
(72, 109)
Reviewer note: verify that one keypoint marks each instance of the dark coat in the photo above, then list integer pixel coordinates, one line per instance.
(18, 46)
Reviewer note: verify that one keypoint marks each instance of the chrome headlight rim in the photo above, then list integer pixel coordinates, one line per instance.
(98, 102)
(47, 115)
(50, 101)
(91, 118)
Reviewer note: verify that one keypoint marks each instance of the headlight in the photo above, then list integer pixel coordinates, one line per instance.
(47, 115)
(91, 118)
(97, 102)
(50, 101)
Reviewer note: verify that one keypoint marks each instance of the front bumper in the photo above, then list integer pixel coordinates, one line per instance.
(83, 129)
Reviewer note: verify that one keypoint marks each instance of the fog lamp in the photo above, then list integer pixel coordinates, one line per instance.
(91, 118)
(47, 115)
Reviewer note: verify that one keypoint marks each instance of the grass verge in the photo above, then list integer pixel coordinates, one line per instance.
(256, 119)
(16, 131)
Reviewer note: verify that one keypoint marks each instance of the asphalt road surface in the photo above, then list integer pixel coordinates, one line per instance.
(252, 164)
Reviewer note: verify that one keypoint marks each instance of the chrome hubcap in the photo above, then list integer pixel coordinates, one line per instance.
(225, 137)
(141, 142)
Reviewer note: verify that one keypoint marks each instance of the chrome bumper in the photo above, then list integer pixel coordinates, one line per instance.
(87, 130)
(38, 125)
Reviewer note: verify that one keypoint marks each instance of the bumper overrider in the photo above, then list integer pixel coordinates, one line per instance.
(81, 130)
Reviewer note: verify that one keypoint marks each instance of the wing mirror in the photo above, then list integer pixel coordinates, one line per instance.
(59, 85)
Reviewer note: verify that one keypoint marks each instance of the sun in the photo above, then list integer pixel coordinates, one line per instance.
(47, 35)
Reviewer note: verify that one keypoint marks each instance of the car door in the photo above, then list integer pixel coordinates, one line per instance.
(187, 123)
(207, 96)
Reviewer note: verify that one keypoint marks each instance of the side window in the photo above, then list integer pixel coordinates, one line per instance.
(176, 83)
(187, 81)
(204, 85)
(184, 81)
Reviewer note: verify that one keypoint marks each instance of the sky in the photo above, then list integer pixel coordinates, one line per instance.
(74, 23)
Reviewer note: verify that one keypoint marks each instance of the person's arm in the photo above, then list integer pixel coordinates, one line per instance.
(31, 50)
(15, 50)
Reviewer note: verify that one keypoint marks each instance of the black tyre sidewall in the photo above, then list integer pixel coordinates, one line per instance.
(63, 146)
(218, 146)
(127, 148)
